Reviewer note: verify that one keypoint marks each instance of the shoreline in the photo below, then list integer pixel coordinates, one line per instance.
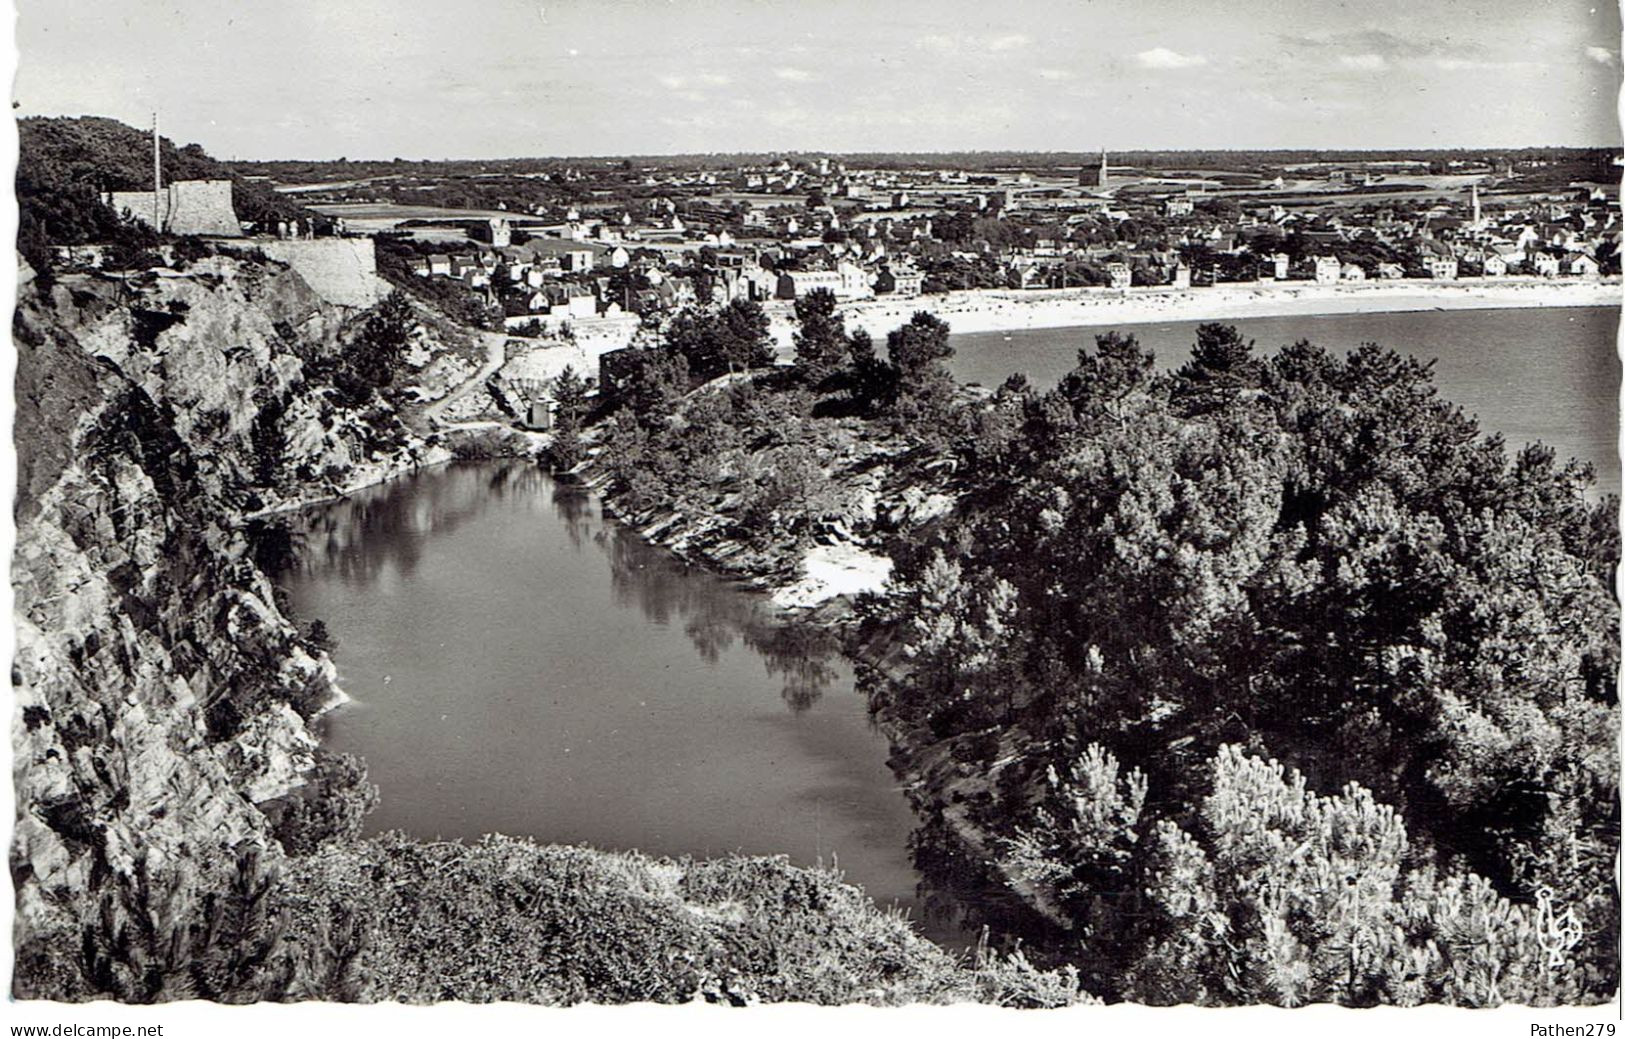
(1010, 310)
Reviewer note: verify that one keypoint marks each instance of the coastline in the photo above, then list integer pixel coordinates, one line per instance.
(1011, 310)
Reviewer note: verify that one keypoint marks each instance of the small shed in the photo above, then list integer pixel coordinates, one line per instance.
(540, 415)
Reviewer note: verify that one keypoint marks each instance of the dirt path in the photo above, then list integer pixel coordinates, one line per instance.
(496, 355)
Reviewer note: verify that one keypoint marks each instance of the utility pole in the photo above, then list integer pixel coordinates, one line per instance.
(157, 176)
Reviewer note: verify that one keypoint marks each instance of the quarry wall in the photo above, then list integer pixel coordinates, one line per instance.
(343, 271)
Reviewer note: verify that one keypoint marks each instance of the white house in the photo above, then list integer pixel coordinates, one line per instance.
(1441, 268)
(1583, 266)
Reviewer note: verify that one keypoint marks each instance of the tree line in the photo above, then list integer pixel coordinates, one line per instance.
(1271, 678)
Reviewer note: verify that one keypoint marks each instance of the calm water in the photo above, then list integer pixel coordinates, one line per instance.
(522, 665)
(1551, 374)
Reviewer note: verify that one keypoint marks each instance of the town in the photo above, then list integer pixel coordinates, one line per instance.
(1034, 506)
(647, 242)
(562, 262)
(579, 248)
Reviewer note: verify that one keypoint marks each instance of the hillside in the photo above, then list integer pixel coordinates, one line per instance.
(1269, 679)
(64, 165)
(181, 833)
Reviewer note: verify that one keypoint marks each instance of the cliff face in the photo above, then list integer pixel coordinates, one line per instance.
(161, 693)
(180, 833)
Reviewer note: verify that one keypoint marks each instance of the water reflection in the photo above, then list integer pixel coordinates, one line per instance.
(377, 536)
(714, 615)
(382, 529)
(521, 663)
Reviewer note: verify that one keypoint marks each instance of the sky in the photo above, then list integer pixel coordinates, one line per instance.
(506, 78)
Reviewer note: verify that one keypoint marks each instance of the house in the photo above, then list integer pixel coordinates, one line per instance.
(1494, 266)
(1583, 266)
(439, 264)
(856, 283)
(898, 280)
(1440, 268)
(1545, 264)
(1328, 270)
(1390, 271)
(1280, 262)
(1177, 207)
(1121, 275)
(497, 231)
(1353, 273)
(1181, 276)
(795, 284)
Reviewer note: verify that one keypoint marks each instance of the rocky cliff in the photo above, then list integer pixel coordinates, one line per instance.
(180, 832)
(161, 693)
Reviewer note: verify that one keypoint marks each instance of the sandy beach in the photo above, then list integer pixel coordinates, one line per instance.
(1003, 310)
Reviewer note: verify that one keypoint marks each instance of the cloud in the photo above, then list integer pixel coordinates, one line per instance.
(794, 75)
(1163, 58)
(1363, 62)
(703, 79)
(1601, 55)
(1460, 64)
(948, 44)
(1056, 75)
(939, 43)
(1379, 42)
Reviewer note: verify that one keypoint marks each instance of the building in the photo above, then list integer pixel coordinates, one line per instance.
(795, 284)
(1583, 266)
(898, 280)
(1121, 275)
(497, 231)
(847, 281)
(1328, 270)
(1353, 273)
(1279, 264)
(576, 260)
(1182, 276)
(1545, 264)
(1441, 268)
(539, 415)
(1177, 207)
(856, 283)
(1092, 177)
(1494, 266)
(185, 207)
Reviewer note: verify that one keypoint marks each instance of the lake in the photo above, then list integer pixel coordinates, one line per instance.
(1547, 374)
(521, 664)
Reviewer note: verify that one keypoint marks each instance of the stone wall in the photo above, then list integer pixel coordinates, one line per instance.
(200, 207)
(343, 271)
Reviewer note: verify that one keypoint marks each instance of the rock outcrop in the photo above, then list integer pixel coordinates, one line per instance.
(162, 695)
(181, 833)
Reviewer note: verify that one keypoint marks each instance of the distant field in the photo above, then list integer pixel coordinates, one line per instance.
(382, 215)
